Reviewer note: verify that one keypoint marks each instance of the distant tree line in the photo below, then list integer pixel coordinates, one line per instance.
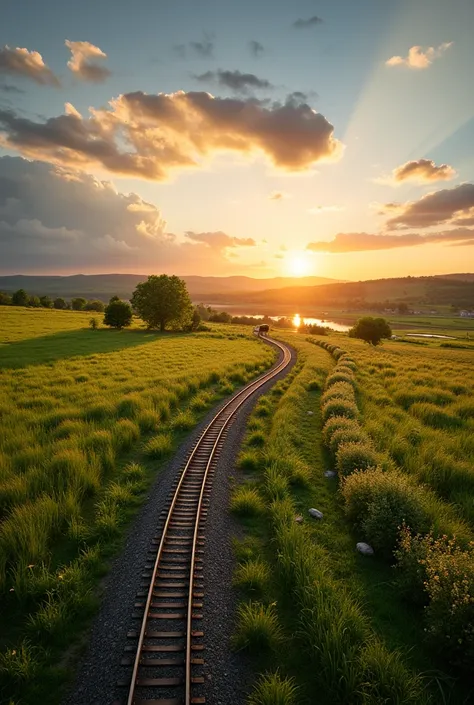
(22, 298)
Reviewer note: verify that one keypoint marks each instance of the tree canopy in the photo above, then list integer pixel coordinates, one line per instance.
(163, 301)
(370, 329)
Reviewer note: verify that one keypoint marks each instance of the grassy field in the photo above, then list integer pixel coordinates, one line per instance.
(355, 628)
(87, 419)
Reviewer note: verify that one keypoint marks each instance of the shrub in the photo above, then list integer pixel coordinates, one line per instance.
(343, 376)
(379, 503)
(340, 407)
(337, 423)
(257, 627)
(447, 574)
(118, 314)
(246, 501)
(313, 386)
(159, 446)
(355, 456)
(338, 390)
(252, 576)
(272, 689)
(342, 436)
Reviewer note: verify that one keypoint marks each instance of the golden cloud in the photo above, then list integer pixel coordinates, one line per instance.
(422, 171)
(151, 135)
(453, 206)
(363, 242)
(419, 57)
(82, 62)
(29, 64)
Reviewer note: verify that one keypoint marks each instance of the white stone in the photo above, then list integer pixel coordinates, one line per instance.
(299, 519)
(330, 473)
(315, 513)
(310, 413)
(365, 549)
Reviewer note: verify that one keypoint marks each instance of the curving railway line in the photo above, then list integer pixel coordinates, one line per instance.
(164, 656)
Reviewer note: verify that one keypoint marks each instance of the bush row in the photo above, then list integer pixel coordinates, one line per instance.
(348, 661)
(402, 519)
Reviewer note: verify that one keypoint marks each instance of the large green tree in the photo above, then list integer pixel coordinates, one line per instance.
(372, 330)
(163, 301)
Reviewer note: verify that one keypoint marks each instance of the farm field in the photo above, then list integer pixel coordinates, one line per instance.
(88, 417)
(370, 632)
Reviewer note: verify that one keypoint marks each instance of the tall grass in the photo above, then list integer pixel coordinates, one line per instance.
(77, 411)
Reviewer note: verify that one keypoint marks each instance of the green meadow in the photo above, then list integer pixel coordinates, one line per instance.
(396, 424)
(87, 419)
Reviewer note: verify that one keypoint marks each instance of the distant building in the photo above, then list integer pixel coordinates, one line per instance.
(466, 314)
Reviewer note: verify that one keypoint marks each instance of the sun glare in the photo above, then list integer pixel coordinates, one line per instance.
(297, 264)
(297, 320)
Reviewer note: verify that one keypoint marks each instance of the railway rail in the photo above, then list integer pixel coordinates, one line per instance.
(165, 654)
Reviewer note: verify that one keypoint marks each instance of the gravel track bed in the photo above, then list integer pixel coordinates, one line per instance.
(228, 675)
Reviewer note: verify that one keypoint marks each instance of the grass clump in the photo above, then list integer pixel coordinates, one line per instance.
(272, 689)
(159, 446)
(258, 628)
(249, 460)
(252, 576)
(352, 456)
(257, 439)
(125, 434)
(183, 421)
(246, 501)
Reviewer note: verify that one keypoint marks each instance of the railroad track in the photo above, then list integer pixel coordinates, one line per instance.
(165, 655)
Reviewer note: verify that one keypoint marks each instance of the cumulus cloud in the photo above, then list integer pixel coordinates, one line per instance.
(419, 57)
(152, 135)
(278, 196)
(362, 242)
(55, 220)
(422, 171)
(220, 241)
(30, 64)
(83, 62)
(255, 48)
(454, 206)
(235, 80)
(310, 22)
(325, 209)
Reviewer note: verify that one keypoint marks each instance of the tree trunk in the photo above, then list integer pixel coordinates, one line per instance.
(162, 325)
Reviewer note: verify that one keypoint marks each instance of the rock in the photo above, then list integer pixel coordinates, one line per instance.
(315, 513)
(330, 473)
(365, 549)
(310, 413)
(299, 519)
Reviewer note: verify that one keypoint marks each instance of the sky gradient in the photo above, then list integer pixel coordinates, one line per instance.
(319, 137)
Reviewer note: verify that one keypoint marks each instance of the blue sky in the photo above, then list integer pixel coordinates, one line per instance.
(383, 115)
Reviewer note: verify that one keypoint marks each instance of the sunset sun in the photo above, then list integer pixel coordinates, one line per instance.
(297, 264)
